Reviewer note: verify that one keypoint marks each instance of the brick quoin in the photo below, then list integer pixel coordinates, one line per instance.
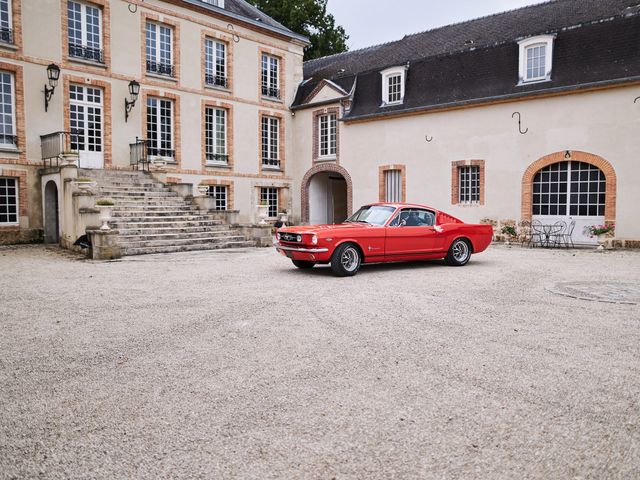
(306, 182)
(564, 156)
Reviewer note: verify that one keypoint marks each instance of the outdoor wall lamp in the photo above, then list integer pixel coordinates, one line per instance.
(53, 74)
(134, 91)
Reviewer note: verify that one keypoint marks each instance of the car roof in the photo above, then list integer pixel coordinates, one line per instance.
(402, 205)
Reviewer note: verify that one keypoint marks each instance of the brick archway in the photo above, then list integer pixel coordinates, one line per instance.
(306, 182)
(576, 156)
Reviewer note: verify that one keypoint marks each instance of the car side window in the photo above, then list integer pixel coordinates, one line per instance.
(414, 217)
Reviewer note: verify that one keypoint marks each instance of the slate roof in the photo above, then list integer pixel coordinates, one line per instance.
(597, 41)
(246, 11)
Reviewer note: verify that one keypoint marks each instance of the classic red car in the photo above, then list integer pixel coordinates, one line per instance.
(384, 232)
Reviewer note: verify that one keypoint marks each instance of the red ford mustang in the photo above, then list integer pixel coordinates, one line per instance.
(384, 232)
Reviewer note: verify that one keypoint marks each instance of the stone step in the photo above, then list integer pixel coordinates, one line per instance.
(129, 230)
(154, 207)
(171, 213)
(186, 248)
(166, 221)
(178, 236)
(211, 239)
(139, 193)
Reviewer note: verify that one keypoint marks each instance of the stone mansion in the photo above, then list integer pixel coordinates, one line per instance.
(527, 114)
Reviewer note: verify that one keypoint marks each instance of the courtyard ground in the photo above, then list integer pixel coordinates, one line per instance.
(233, 364)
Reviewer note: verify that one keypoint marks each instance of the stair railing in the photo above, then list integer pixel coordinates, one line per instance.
(54, 145)
(138, 154)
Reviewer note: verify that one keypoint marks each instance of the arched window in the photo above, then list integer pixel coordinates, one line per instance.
(569, 189)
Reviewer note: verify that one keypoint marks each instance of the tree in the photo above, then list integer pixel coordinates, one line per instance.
(309, 18)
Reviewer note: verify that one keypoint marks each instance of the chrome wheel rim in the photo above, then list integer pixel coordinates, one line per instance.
(460, 251)
(350, 259)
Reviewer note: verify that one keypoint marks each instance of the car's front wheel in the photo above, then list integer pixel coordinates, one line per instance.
(303, 265)
(459, 253)
(346, 260)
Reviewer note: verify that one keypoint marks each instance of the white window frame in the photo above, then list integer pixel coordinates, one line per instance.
(17, 195)
(525, 45)
(272, 142)
(82, 110)
(393, 186)
(330, 150)
(221, 195)
(12, 84)
(386, 76)
(158, 51)
(270, 81)
(469, 183)
(212, 60)
(84, 42)
(211, 134)
(158, 133)
(9, 24)
(215, 3)
(271, 195)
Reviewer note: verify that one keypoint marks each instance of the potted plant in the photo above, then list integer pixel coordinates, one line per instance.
(85, 183)
(69, 157)
(263, 212)
(511, 233)
(105, 205)
(601, 232)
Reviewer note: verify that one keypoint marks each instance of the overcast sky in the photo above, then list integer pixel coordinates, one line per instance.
(370, 22)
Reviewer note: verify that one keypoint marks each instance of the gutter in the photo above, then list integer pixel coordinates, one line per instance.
(251, 21)
(496, 99)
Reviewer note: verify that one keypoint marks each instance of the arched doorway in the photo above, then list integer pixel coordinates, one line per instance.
(572, 187)
(326, 195)
(51, 222)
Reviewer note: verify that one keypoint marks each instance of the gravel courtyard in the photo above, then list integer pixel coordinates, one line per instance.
(233, 364)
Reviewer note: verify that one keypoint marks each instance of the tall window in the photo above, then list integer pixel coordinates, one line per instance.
(159, 44)
(570, 188)
(270, 76)
(215, 61)
(536, 59)
(469, 184)
(327, 135)
(269, 195)
(216, 135)
(85, 115)
(7, 110)
(393, 85)
(393, 186)
(160, 128)
(8, 200)
(270, 141)
(6, 22)
(84, 28)
(220, 193)
(394, 89)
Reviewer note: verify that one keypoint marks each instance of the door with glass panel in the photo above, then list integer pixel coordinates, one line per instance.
(571, 191)
(86, 117)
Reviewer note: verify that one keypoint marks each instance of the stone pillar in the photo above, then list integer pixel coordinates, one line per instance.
(104, 244)
(68, 173)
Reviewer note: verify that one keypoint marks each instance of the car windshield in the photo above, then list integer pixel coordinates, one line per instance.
(372, 214)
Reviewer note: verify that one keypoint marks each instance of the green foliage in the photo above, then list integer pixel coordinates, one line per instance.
(105, 202)
(309, 18)
(509, 230)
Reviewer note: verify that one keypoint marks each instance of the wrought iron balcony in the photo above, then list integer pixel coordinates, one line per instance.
(8, 140)
(6, 35)
(216, 80)
(53, 145)
(270, 92)
(270, 162)
(86, 53)
(160, 68)
(138, 153)
(217, 158)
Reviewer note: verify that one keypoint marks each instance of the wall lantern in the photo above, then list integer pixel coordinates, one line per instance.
(53, 74)
(134, 91)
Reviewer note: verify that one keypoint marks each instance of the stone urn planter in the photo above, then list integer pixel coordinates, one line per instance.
(283, 218)
(263, 214)
(69, 158)
(106, 207)
(602, 239)
(85, 183)
(203, 189)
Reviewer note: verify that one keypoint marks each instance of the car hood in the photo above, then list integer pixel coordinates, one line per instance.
(325, 228)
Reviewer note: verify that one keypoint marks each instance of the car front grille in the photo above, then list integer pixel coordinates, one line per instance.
(289, 237)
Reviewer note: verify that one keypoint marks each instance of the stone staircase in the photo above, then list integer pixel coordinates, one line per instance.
(151, 218)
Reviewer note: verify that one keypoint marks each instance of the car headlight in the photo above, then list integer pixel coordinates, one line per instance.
(278, 236)
(299, 238)
(314, 239)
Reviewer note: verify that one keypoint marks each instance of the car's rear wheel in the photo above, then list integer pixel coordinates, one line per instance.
(303, 265)
(459, 253)
(346, 260)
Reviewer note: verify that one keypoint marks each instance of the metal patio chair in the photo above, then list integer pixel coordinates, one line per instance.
(556, 233)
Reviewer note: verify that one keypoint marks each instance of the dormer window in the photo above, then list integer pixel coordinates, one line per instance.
(215, 3)
(393, 80)
(536, 55)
